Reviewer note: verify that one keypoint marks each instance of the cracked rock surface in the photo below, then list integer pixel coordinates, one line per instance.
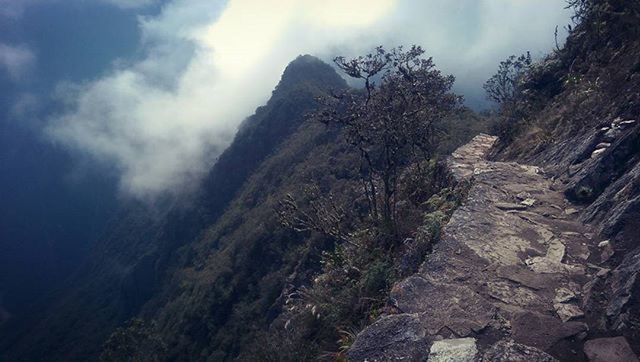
(506, 274)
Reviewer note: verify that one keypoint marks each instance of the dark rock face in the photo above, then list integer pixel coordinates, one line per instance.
(588, 140)
(392, 338)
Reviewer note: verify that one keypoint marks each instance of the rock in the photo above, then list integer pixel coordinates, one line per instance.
(614, 349)
(543, 331)
(394, 337)
(556, 251)
(524, 276)
(602, 145)
(443, 306)
(629, 123)
(623, 285)
(552, 262)
(603, 272)
(510, 351)
(567, 311)
(509, 206)
(606, 250)
(611, 135)
(564, 295)
(570, 233)
(453, 350)
(570, 211)
(514, 295)
(597, 152)
(528, 202)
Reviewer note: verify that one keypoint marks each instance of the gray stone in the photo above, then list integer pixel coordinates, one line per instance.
(615, 349)
(393, 337)
(606, 250)
(513, 295)
(564, 295)
(567, 311)
(510, 351)
(597, 152)
(453, 350)
(443, 306)
(570, 211)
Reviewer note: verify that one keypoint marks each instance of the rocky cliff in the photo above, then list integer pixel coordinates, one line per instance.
(508, 281)
(542, 260)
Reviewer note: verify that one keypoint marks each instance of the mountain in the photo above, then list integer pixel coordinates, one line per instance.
(206, 275)
(138, 250)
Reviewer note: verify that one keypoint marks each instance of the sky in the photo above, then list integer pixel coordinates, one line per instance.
(155, 89)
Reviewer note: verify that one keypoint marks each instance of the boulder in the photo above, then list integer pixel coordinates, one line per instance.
(392, 337)
(614, 349)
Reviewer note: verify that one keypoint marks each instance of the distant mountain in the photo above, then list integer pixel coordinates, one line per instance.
(141, 249)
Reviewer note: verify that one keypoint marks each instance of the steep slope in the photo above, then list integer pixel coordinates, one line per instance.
(226, 298)
(541, 265)
(588, 138)
(133, 260)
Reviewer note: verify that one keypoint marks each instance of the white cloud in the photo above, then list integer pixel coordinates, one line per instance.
(209, 64)
(16, 61)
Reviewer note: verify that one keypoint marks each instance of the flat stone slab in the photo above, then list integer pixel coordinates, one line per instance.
(453, 350)
(510, 351)
(456, 308)
(543, 331)
(391, 338)
(614, 349)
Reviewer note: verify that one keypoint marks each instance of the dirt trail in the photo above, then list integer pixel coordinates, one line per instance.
(508, 275)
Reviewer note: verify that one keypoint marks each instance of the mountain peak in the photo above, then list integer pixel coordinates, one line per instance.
(310, 70)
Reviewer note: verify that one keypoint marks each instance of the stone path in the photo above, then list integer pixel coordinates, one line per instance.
(506, 279)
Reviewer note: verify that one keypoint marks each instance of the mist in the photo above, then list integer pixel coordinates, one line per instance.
(162, 118)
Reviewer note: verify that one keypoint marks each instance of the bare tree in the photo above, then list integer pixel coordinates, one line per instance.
(323, 214)
(392, 121)
(505, 87)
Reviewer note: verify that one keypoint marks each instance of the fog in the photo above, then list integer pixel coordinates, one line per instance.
(206, 65)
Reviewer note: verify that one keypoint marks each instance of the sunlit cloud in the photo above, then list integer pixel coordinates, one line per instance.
(162, 120)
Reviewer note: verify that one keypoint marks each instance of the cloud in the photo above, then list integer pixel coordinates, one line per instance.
(130, 4)
(16, 61)
(208, 65)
